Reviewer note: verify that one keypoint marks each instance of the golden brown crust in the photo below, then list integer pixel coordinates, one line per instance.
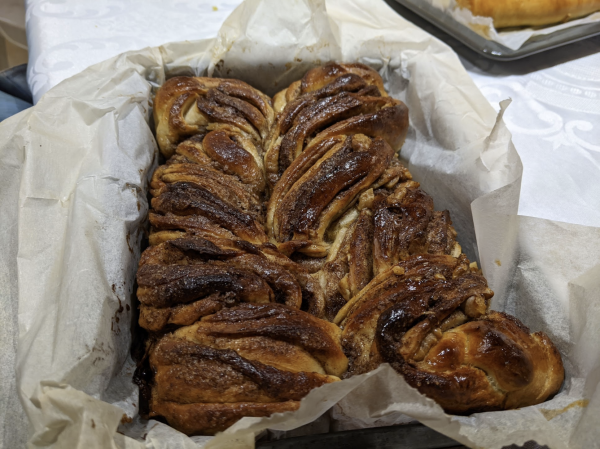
(181, 280)
(213, 185)
(512, 368)
(406, 224)
(336, 135)
(325, 191)
(530, 13)
(245, 361)
(339, 77)
(170, 226)
(188, 198)
(350, 94)
(388, 225)
(427, 316)
(318, 337)
(217, 178)
(185, 106)
(256, 221)
(425, 284)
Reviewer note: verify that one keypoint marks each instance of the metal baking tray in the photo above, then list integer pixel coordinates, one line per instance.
(408, 436)
(494, 50)
(405, 436)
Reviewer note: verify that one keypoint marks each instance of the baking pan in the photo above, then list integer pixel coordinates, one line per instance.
(494, 50)
(409, 436)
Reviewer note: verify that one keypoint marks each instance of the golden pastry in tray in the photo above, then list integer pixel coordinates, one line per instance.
(249, 360)
(187, 106)
(336, 134)
(182, 280)
(514, 13)
(275, 222)
(428, 317)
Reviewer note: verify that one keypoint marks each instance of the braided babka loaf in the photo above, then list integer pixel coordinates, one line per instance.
(290, 247)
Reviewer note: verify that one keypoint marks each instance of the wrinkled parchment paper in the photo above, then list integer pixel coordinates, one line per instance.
(511, 38)
(74, 208)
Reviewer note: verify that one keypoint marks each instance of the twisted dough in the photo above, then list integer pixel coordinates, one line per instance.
(213, 184)
(181, 280)
(250, 360)
(185, 106)
(261, 226)
(207, 216)
(218, 179)
(335, 136)
(387, 226)
(428, 317)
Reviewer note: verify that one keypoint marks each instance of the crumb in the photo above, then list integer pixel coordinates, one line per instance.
(126, 419)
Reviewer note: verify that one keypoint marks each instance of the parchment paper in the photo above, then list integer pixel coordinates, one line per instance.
(82, 158)
(511, 38)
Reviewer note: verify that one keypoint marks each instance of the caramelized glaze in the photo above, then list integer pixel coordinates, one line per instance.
(269, 216)
(248, 360)
(417, 317)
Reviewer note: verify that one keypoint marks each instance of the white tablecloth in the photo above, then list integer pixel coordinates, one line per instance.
(554, 120)
(66, 36)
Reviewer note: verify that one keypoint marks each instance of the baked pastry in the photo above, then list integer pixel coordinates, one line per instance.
(186, 106)
(336, 135)
(211, 186)
(182, 280)
(385, 227)
(514, 13)
(250, 360)
(268, 217)
(428, 317)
